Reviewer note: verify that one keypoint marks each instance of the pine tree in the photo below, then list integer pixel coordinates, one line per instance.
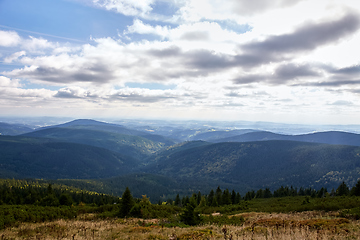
(342, 190)
(177, 201)
(355, 191)
(190, 216)
(127, 202)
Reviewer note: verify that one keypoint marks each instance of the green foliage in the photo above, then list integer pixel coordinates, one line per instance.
(65, 199)
(10, 215)
(42, 193)
(223, 220)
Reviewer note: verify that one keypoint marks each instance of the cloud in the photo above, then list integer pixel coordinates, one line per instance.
(9, 39)
(348, 71)
(126, 7)
(14, 57)
(304, 39)
(9, 83)
(341, 103)
(34, 44)
(141, 28)
(282, 74)
(250, 7)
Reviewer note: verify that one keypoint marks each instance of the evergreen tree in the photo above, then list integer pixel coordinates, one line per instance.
(342, 190)
(127, 202)
(177, 201)
(238, 198)
(233, 197)
(267, 193)
(218, 196)
(190, 216)
(210, 198)
(65, 199)
(355, 191)
(226, 197)
(198, 198)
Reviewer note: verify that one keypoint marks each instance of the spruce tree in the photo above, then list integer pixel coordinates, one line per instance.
(127, 202)
(342, 190)
(190, 216)
(355, 191)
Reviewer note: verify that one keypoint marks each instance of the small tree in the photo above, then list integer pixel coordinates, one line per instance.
(65, 199)
(355, 191)
(127, 202)
(342, 190)
(190, 216)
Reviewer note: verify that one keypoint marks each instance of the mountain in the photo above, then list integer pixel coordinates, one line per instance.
(24, 157)
(254, 165)
(330, 137)
(214, 135)
(13, 129)
(128, 145)
(112, 128)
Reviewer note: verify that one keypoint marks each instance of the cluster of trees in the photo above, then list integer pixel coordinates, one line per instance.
(220, 198)
(49, 196)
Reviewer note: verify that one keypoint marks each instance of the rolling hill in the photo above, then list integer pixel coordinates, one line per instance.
(23, 157)
(112, 128)
(128, 145)
(330, 137)
(13, 129)
(254, 165)
(214, 136)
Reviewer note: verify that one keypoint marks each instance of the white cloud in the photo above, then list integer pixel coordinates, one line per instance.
(14, 57)
(33, 44)
(9, 83)
(9, 38)
(126, 7)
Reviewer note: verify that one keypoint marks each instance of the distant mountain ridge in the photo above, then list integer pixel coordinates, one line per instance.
(13, 129)
(330, 137)
(129, 145)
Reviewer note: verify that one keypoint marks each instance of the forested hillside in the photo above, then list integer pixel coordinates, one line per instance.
(22, 157)
(262, 164)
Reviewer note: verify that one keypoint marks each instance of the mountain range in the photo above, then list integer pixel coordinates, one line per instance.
(115, 156)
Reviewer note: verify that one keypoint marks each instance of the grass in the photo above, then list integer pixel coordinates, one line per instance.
(256, 225)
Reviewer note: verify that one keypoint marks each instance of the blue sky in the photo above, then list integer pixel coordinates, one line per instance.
(283, 61)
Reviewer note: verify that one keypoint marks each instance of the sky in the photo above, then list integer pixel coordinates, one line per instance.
(291, 61)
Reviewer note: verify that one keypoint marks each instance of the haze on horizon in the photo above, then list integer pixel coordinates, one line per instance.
(294, 61)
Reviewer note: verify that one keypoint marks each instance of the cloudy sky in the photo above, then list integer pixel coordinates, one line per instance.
(282, 60)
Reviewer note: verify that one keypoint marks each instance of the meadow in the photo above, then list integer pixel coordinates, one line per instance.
(256, 225)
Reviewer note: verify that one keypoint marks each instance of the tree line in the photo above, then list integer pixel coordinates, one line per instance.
(50, 196)
(225, 197)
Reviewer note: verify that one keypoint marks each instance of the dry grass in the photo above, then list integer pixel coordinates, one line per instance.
(306, 225)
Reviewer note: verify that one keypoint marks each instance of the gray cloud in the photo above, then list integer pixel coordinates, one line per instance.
(341, 103)
(353, 70)
(204, 59)
(305, 38)
(195, 36)
(172, 51)
(283, 74)
(67, 93)
(249, 7)
(96, 73)
(329, 83)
